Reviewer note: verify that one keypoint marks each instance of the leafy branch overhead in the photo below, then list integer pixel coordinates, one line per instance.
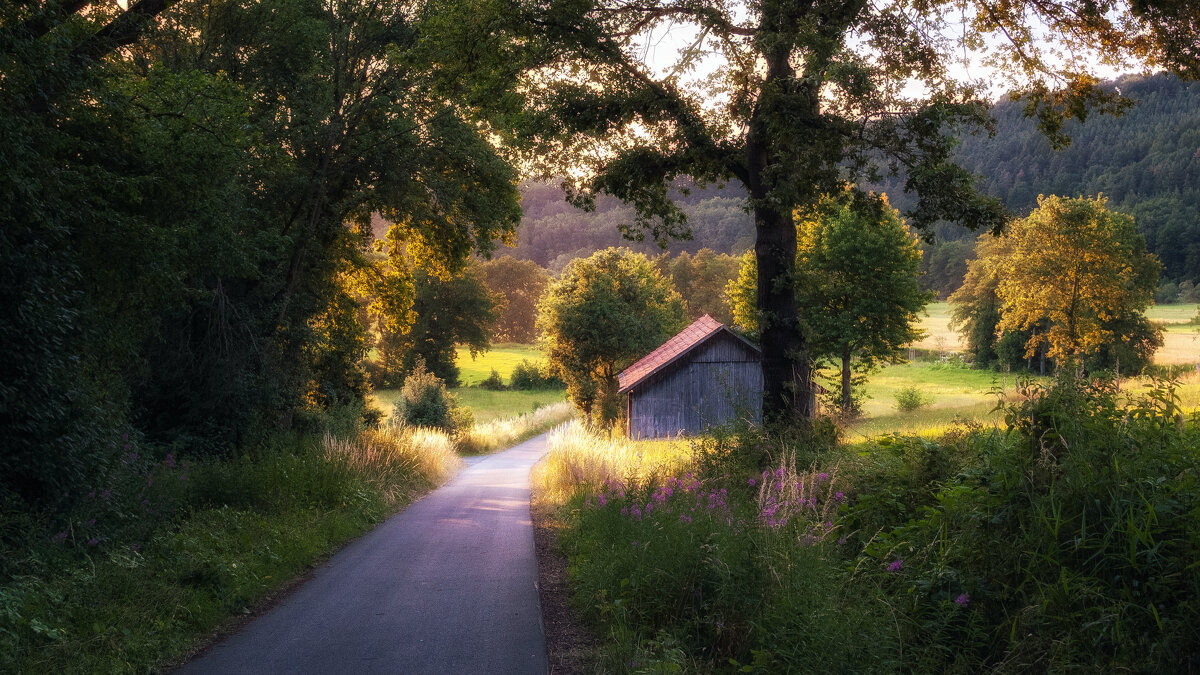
(800, 99)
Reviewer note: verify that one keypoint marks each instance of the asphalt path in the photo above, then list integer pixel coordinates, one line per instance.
(446, 586)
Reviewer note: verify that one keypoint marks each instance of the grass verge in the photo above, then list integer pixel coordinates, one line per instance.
(1062, 541)
(165, 551)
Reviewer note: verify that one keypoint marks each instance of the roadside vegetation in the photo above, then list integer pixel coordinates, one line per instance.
(1059, 538)
(162, 551)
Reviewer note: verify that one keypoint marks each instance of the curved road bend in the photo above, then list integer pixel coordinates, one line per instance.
(445, 586)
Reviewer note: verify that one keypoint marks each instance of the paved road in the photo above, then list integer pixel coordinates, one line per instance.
(446, 586)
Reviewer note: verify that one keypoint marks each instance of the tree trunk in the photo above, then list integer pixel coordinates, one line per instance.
(846, 381)
(787, 377)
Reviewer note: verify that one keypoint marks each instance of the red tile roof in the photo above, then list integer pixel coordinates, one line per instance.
(687, 339)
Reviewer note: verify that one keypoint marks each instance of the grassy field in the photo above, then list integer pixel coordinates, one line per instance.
(953, 392)
(487, 405)
(956, 393)
(1182, 342)
(503, 357)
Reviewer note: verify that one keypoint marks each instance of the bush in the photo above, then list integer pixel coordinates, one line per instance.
(909, 399)
(493, 382)
(527, 375)
(426, 403)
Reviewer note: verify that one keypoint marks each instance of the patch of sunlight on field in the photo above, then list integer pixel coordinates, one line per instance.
(1173, 313)
(503, 357)
(485, 404)
(1188, 390)
(1181, 342)
(956, 393)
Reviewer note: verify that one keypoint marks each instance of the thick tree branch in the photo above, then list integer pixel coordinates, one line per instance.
(52, 16)
(122, 31)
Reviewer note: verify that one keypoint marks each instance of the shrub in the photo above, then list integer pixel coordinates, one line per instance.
(1067, 542)
(426, 403)
(528, 375)
(493, 382)
(909, 399)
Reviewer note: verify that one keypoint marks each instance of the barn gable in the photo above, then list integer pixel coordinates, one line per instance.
(704, 376)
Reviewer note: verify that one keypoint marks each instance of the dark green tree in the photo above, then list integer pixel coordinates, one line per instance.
(604, 313)
(858, 288)
(448, 313)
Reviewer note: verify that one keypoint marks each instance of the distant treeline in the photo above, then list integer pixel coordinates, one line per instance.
(1147, 162)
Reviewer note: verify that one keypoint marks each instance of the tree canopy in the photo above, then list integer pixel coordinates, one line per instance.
(1075, 266)
(858, 289)
(804, 98)
(605, 312)
(518, 284)
(187, 192)
(1070, 281)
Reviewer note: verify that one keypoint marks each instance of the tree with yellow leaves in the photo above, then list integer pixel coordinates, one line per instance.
(1072, 272)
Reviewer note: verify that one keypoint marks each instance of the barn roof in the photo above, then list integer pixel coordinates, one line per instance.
(699, 332)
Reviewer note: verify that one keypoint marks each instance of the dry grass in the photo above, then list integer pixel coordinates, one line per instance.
(580, 457)
(498, 434)
(399, 462)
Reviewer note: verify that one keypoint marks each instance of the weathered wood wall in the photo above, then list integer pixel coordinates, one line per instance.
(719, 380)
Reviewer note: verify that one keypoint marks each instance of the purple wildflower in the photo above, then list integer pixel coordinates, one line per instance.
(170, 460)
(685, 517)
(896, 565)
(93, 541)
(822, 476)
(602, 499)
(106, 494)
(962, 600)
(59, 537)
(839, 497)
(752, 483)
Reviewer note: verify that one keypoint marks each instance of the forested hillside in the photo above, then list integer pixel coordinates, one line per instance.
(1147, 162)
(552, 231)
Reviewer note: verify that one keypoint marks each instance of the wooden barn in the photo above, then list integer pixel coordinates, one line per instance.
(704, 376)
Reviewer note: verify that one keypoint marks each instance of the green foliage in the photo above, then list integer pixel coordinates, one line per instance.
(493, 381)
(912, 398)
(1072, 280)
(858, 291)
(1127, 158)
(792, 113)
(518, 284)
(605, 312)
(527, 376)
(187, 220)
(1075, 524)
(1063, 541)
(425, 402)
(163, 551)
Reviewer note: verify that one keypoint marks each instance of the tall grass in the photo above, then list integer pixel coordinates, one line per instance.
(397, 463)
(578, 457)
(164, 550)
(496, 434)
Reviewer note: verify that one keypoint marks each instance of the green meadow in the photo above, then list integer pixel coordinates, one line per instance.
(488, 404)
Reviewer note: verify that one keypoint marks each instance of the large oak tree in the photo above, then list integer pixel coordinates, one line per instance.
(796, 99)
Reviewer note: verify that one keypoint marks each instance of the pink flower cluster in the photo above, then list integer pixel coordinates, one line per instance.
(685, 496)
(785, 495)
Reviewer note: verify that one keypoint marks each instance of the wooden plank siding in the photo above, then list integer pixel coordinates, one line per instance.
(712, 384)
